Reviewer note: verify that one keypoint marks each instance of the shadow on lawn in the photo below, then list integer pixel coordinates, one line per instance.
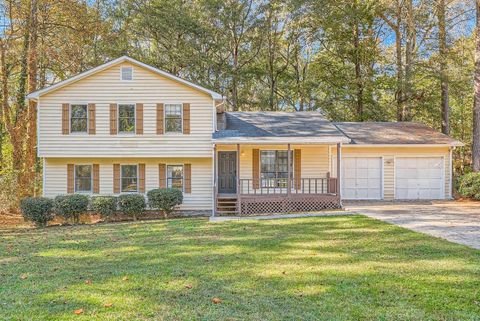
(315, 268)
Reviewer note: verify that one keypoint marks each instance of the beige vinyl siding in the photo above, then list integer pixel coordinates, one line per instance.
(199, 199)
(105, 88)
(389, 155)
(315, 162)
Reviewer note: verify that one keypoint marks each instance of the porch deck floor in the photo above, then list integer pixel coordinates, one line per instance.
(278, 216)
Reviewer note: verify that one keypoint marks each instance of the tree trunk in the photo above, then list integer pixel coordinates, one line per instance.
(398, 49)
(476, 98)
(358, 69)
(234, 80)
(442, 47)
(409, 59)
(31, 148)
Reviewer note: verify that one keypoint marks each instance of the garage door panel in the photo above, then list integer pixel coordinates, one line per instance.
(402, 193)
(423, 183)
(362, 163)
(374, 173)
(419, 178)
(350, 182)
(349, 193)
(372, 183)
(349, 163)
(349, 172)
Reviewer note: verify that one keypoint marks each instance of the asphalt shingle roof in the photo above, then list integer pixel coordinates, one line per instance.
(277, 124)
(393, 133)
(266, 125)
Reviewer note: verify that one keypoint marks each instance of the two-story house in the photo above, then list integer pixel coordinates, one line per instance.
(127, 127)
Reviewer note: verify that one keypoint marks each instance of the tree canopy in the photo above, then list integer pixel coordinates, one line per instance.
(369, 60)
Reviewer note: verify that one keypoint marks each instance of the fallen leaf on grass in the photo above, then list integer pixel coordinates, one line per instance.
(23, 276)
(108, 305)
(216, 300)
(78, 311)
(188, 286)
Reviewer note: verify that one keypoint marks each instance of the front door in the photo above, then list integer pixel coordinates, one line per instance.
(227, 172)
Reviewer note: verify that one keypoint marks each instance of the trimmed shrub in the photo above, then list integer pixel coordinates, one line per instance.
(165, 199)
(38, 210)
(469, 186)
(71, 206)
(132, 204)
(106, 206)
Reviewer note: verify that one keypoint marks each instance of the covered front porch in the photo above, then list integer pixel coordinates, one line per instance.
(256, 178)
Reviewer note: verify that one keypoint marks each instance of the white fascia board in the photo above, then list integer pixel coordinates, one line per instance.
(36, 94)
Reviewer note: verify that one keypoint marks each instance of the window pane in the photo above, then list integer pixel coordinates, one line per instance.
(129, 170)
(126, 118)
(129, 184)
(129, 178)
(175, 176)
(78, 120)
(79, 111)
(79, 125)
(83, 178)
(126, 111)
(173, 110)
(173, 125)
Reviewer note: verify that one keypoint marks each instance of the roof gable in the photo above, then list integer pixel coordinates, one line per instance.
(36, 94)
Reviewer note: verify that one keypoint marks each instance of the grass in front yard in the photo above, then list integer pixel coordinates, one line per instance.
(323, 268)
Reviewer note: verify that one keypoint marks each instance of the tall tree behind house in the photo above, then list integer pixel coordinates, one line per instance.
(476, 104)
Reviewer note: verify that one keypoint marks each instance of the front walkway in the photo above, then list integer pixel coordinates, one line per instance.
(457, 222)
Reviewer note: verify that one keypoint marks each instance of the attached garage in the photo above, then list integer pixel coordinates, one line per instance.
(419, 178)
(415, 161)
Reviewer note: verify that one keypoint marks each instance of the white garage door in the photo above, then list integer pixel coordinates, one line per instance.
(362, 178)
(419, 178)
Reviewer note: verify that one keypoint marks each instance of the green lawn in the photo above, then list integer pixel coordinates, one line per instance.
(330, 268)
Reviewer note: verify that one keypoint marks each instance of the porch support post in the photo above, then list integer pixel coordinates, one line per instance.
(289, 181)
(339, 172)
(215, 190)
(239, 204)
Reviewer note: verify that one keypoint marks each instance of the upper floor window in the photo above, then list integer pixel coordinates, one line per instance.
(78, 118)
(274, 167)
(129, 178)
(127, 73)
(83, 178)
(173, 118)
(126, 118)
(175, 176)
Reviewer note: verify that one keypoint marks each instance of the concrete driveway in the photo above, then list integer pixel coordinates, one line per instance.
(455, 221)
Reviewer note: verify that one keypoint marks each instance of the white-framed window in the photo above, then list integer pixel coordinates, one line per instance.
(83, 178)
(126, 73)
(78, 118)
(126, 118)
(173, 118)
(274, 167)
(128, 178)
(175, 176)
